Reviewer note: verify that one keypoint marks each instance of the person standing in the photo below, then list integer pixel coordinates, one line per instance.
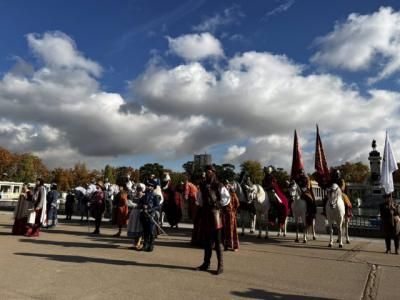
(230, 203)
(97, 206)
(52, 197)
(37, 216)
(69, 205)
(121, 208)
(135, 228)
(21, 211)
(148, 205)
(390, 222)
(211, 219)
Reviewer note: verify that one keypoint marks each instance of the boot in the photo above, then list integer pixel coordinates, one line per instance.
(150, 246)
(146, 242)
(203, 267)
(220, 268)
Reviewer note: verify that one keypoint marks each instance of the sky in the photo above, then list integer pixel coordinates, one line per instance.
(132, 82)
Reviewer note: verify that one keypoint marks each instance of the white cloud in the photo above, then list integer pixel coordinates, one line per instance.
(362, 41)
(230, 15)
(280, 8)
(250, 103)
(194, 47)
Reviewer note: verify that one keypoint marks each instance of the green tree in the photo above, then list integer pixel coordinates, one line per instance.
(151, 168)
(254, 169)
(354, 172)
(109, 173)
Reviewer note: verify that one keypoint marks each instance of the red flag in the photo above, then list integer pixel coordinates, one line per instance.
(297, 161)
(321, 166)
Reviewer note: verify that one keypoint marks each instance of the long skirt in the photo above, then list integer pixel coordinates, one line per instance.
(19, 227)
(135, 228)
(229, 232)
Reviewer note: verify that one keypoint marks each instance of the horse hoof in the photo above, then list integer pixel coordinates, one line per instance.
(259, 236)
(266, 237)
(251, 231)
(337, 241)
(242, 234)
(284, 235)
(330, 245)
(304, 241)
(314, 238)
(347, 242)
(296, 240)
(340, 246)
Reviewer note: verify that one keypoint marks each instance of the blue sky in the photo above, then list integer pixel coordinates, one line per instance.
(130, 82)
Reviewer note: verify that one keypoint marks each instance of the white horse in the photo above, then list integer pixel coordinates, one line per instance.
(335, 212)
(299, 210)
(257, 195)
(245, 207)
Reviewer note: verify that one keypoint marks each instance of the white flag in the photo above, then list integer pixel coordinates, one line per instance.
(389, 165)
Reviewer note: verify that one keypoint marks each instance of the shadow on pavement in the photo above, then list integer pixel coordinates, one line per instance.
(69, 244)
(262, 294)
(85, 259)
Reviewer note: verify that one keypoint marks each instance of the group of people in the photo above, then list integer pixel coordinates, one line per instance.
(212, 206)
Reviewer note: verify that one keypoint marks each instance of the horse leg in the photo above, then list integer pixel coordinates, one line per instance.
(266, 225)
(253, 219)
(285, 227)
(313, 229)
(304, 230)
(242, 221)
(259, 228)
(297, 230)
(331, 233)
(346, 230)
(340, 229)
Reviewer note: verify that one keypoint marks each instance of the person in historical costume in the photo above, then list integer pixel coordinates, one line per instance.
(336, 177)
(52, 198)
(97, 206)
(121, 208)
(211, 220)
(279, 203)
(307, 194)
(135, 228)
(390, 222)
(37, 215)
(21, 211)
(230, 204)
(173, 201)
(148, 205)
(69, 205)
(190, 192)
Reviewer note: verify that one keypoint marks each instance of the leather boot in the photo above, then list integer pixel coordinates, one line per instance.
(220, 268)
(150, 246)
(203, 267)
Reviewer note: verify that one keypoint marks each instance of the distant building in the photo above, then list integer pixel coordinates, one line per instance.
(201, 160)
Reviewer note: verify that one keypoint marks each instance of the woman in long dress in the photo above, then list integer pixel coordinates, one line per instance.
(135, 228)
(121, 206)
(21, 211)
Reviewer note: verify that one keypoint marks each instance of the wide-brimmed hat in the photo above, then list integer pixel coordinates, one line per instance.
(100, 184)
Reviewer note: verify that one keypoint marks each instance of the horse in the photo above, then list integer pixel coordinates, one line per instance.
(335, 212)
(245, 207)
(299, 210)
(257, 195)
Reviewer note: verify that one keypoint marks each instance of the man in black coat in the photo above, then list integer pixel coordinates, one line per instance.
(390, 222)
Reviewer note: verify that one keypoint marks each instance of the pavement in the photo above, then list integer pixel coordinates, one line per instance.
(66, 262)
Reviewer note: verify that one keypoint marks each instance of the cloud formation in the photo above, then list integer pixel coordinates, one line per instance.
(194, 47)
(248, 104)
(361, 42)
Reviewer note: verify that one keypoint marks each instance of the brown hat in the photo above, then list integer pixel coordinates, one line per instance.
(100, 184)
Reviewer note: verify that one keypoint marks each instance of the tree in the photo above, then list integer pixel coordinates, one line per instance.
(80, 174)
(63, 178)
(354, 172)
(109, 173)
(7, 160)
(254, 169)
(282, 177)
(146, 170)
(225, 172)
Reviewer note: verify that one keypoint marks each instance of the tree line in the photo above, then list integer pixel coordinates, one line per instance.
(26, 167)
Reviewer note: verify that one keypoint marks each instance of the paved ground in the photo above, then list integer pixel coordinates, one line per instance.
(68, 263)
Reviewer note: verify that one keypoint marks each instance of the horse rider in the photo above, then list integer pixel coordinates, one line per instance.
(307, 194)
(336, 177)
(275, 194)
